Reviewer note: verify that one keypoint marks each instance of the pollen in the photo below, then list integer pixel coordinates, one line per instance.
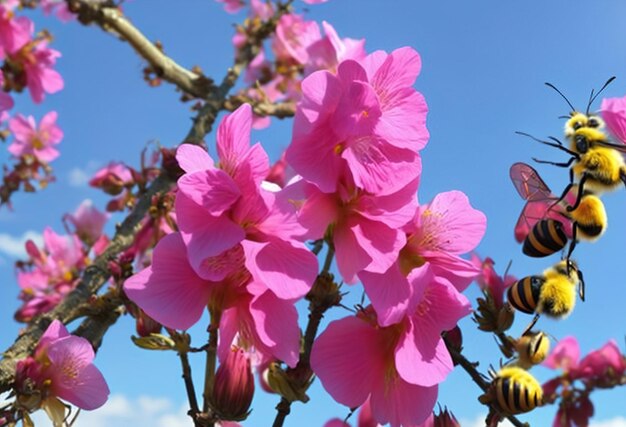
(339, 148)
(365, 114)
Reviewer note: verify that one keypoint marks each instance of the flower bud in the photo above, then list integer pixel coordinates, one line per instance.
(234, 387)
(445, 418)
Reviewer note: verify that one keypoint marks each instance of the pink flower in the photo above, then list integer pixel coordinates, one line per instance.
(366, 229)
(232, 6)
(327, 52)
(605, 363)
(440, 231)
(366, 122)
(224, 211)
(6, 102)
(234, 386)
(88, 221)
(37, 141)
(113, 178)
(614, 114)
(62, 367)
(398, 367)
(14, 32)
(565, 355)
(489, 281)
(59, 8)
(173, 294)
(293, 36)
(576, 413)
(38, 60)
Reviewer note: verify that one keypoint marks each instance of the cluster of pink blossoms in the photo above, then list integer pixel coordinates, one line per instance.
(53, 271)
(602, 368)
(240, 250)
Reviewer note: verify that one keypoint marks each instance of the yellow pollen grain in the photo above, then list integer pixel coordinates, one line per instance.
(37, 143)
(339, 148)
(365, 113)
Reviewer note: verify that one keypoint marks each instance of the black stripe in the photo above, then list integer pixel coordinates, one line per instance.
(517, 407)
(593, 230)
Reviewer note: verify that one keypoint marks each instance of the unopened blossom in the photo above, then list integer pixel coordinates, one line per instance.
(223, 210)
(614, 114)
(233, 388)
(112, 178)
(38, 62)
(365, 122)
(88, 222)
(15, 32)
(436, 237)
(31, 139)
(173, 294)
(61, 368)
(489, 281)
(293, 36)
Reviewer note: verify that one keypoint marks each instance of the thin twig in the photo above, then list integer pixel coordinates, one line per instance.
(189, 387)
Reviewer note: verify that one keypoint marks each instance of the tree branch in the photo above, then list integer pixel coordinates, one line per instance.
(111, 20)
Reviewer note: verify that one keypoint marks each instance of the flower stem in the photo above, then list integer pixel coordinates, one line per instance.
(189, 387)
(211, 358)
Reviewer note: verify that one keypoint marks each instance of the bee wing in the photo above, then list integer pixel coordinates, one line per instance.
(528, 183)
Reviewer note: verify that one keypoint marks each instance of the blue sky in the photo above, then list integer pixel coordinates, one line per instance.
(483, 71)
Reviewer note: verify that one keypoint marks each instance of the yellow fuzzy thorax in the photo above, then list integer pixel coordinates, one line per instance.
(520, 376)
(557, 296)
(604, 165)
(590, 211)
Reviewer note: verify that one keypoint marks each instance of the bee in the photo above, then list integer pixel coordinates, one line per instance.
(516, 390)
(552, 293)
(595, 162)
(546, 224)
(532, 349)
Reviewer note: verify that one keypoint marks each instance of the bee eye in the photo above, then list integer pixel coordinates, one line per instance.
(577, 125)
(593, 123)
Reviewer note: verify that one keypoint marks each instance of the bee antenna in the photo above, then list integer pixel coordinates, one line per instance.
(555, 140)
(561, 93)
(563, 117)
(593, 98)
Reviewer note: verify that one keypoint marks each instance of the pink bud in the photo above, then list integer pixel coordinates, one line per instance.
(234, 387)
(146, 325)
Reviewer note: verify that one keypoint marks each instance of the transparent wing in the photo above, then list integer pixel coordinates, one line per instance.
(528, 183)
(540, 202)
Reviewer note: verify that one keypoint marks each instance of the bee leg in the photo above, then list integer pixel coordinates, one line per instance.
(580, 192)
(561, 165)
(532, 323)
(572, 245)
(581, 288)
(558, 144)
(567, 188)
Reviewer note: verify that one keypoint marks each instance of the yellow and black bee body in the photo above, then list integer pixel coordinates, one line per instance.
(516, 390)
(552, 293)
(545, 238)
(532, 349)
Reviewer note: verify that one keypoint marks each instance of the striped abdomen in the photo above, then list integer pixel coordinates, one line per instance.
(524, 294)
(545, 238)
(516, 396)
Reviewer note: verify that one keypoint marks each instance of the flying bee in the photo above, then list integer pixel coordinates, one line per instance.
(552, 293)
(515, 390)
(532, 349)
(595, 162)
(546, 224)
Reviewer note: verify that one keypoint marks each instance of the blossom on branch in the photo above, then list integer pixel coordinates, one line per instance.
(38, 141)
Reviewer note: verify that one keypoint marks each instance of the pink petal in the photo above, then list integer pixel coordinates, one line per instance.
(403, 404)
(459, 227)
(205, 236)
(389, 293)
(170, 291)
(565, 355)
(421, 355)
(277, 325)
(396, 209)
(21, 128)
(212, 189)
(287, 268)
(89, 391)
(318, 212)
(51, 80)
(381, 242)
(192, 158)
(614, 114)
(403, 122)
(399, 70)
(458, 271)
(372, 62)
(357, 112)
(350, 256)
(348, 361)
(229, 323)
(233, 137)
(55, 331)
(379, 167)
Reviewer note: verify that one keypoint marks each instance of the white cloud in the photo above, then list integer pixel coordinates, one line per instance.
(479, 421)
(144, 411)
(79, 177)
(14, 246)
(613, 422)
